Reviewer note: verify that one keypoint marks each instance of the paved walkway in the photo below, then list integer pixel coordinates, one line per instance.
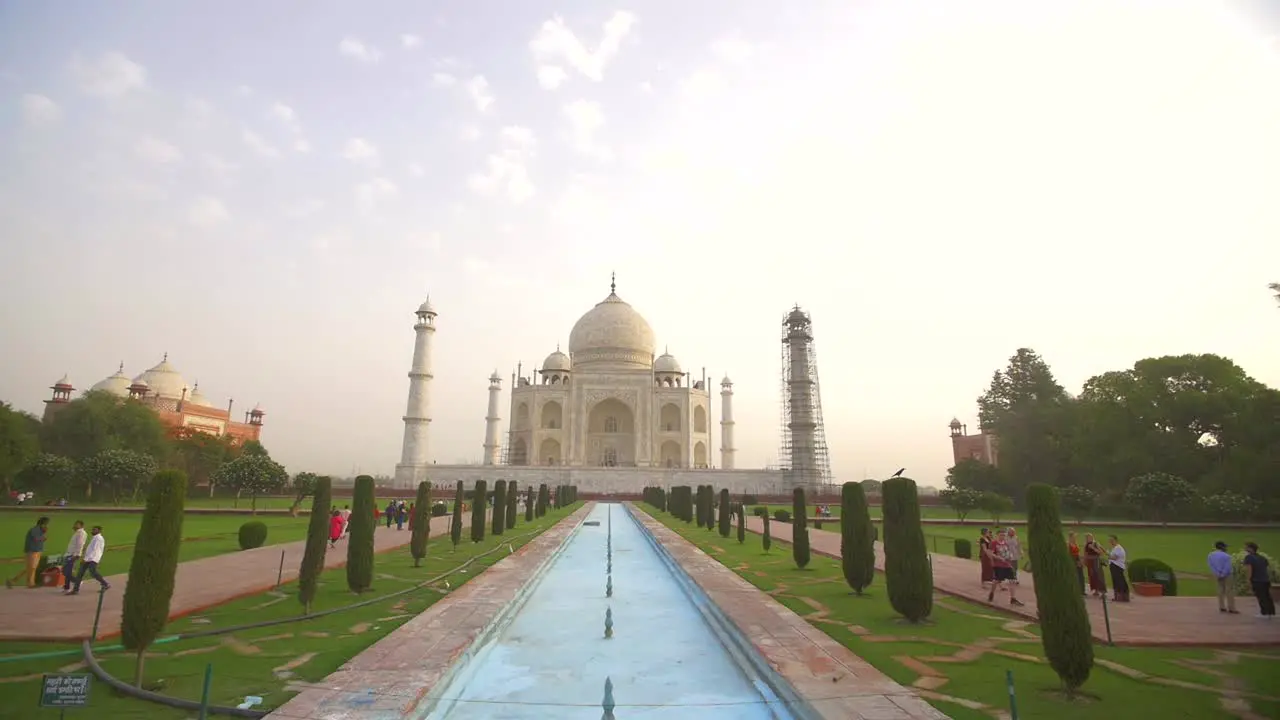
(46, 614)
(1187, 621)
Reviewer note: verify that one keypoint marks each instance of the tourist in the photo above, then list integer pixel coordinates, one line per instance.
(1260, 580)
(346, 519)
(336, 527)
(1002, 568)
(75, 548)
(411, 507)
(1073, 547)
(33, 548)
(1220, 566)
(1015, 552)
(1117, 561)
(1093, 565)
(92, 556)
(984, 556)
(391, 513)
(402, 515)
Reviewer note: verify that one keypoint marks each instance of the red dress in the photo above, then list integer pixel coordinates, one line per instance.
(335, 527)
(984, 560)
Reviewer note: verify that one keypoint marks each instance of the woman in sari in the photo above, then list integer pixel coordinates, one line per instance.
(1074, 548)
(984, 557)
(1093, 555)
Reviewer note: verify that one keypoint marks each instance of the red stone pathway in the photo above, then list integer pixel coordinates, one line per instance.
(1187, 621)
(45, 614)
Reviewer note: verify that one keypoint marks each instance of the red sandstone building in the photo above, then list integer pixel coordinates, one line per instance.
(982, 447)
(181, 408)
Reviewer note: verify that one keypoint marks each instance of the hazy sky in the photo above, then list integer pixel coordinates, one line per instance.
(268, 191)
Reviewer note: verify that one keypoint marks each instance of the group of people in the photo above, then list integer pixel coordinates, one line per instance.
(999, 555)
(399, 513)
(85, 548)
(1259, 574)
(1092, 560)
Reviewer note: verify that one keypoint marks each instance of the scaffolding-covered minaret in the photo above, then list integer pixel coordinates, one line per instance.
(804, 442)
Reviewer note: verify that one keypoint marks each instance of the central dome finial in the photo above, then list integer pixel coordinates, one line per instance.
(613, 283)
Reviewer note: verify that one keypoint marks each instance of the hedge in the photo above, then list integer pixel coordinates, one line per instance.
(252, 534)
(1150, 570)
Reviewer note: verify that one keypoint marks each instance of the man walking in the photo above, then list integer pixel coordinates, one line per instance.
(1260, 580)
(92, 556)
(75, 548)
(1002, 568)
(1220, 566)
(32, 548)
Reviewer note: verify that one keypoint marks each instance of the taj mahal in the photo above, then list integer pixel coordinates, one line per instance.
(608, 416)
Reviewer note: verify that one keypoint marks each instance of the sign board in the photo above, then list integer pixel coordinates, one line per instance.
(63, 691)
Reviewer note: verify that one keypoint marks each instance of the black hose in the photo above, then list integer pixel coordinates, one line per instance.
(127, 689)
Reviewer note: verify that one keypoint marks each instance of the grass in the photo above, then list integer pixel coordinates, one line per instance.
(253, 662)
(992, 644)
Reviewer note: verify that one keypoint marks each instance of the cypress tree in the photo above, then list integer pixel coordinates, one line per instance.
(513, 501)
(421, 523)
(499, 507)
(765, 539)
(154, 565)
(724, 514)
(857, 538)
(360, 543)
(708, 508)
(478, 503)
(455, 525)
(742, 524)
(799, 529)
(907, 573)
(1064, 621)
(544, 498)
(528, 505)
(317, 543)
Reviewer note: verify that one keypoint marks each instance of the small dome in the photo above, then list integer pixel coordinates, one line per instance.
(257, 410)
(117, 384)
(556, 361)
(612, 333)
(197, 398)
(726, 381)
(426, 307)
(65, 382)
(955, 423)
(666, 363)
(164, 380)
(495, 376)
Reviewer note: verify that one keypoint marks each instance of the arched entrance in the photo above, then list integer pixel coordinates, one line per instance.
(670, 456)
(552, 416)
(699, 455)
(519, 452)
(669, 418)
(549, 452)
(611, 435)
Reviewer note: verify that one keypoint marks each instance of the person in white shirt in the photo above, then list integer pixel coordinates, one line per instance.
(92, 556)
(1117, 559)
(75, 548)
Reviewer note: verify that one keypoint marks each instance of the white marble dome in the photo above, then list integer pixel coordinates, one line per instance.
(612, 332)
(556, 361)
(197, 398)
(666, 363)
(117, 384)
(164, 380)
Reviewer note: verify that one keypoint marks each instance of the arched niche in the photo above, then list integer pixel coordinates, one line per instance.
(699, 455)
(669, 418)
(700, 419)
(552, 416)
(670, 454)
(549, 452)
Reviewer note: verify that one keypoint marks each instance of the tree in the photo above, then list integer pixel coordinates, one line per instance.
(1159, 494)
(528, 505)
(765, 540)
(724, 519)
(200, 454)
(971, 474)
(1029, 412)
(499, 507)
(1275, 289)
(360, 537)
(455, 526)
(1026, 380)
(799, 529)
(870, 487)
(962, 500)
(857, 538)
(119, 472)
(995, 504)
(254, 474)
(1078, 501)
(421, 523)
(480, 497)
(52, 475)
(19, 443)
(254, 447)
(513, 502)
(907, 572)
(1064, 623)
(317, 543)
(154, 566)
(544, 498)
(742, 524)
(304, 484)
(101, 421)
(1230, 506)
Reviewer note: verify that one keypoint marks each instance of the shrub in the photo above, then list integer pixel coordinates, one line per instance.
(1240, 572)
(964, 549)
(544, 498)
(360, 541)
(782, 515)
(750, 500)
(1154, 571)
(857, 538)
(477, 512)
(528, 504)
(742, 526)
(455, 524)
(421, 523)
(439, 509)
(725, 526)
(907, 572)
(799, 530)
(760, 511)
(765, 540)
(1064, 622)
(513, 504)
(154, 566)
(499, 506)
(253, 534)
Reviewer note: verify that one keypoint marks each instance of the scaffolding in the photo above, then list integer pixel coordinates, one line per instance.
(803, 455)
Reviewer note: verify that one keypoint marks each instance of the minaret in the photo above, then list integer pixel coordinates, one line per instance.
(726, 424)
(417, 421)
(491, 420)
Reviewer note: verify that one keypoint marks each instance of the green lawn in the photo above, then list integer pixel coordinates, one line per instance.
(266, 661)
(962, 640)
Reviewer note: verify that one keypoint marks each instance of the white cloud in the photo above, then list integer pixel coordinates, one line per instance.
(288, 117)
(417, 170)
(39, 110)
(408, 41)
(646, 87)
(157, 151)
(304, 208)
(443, 79)
(199, 109)
(216, 165)
(555, 46)
(244, 90)
(370, 194)
(733, 50)
(359, 150)
(207, 211)
(519, 136)
(427, 241)
(301, 145)
(506, 172)
(478, 90)
(469, 133)
(111, 75)
(356, 49)
(258, 145)
(586, 118)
